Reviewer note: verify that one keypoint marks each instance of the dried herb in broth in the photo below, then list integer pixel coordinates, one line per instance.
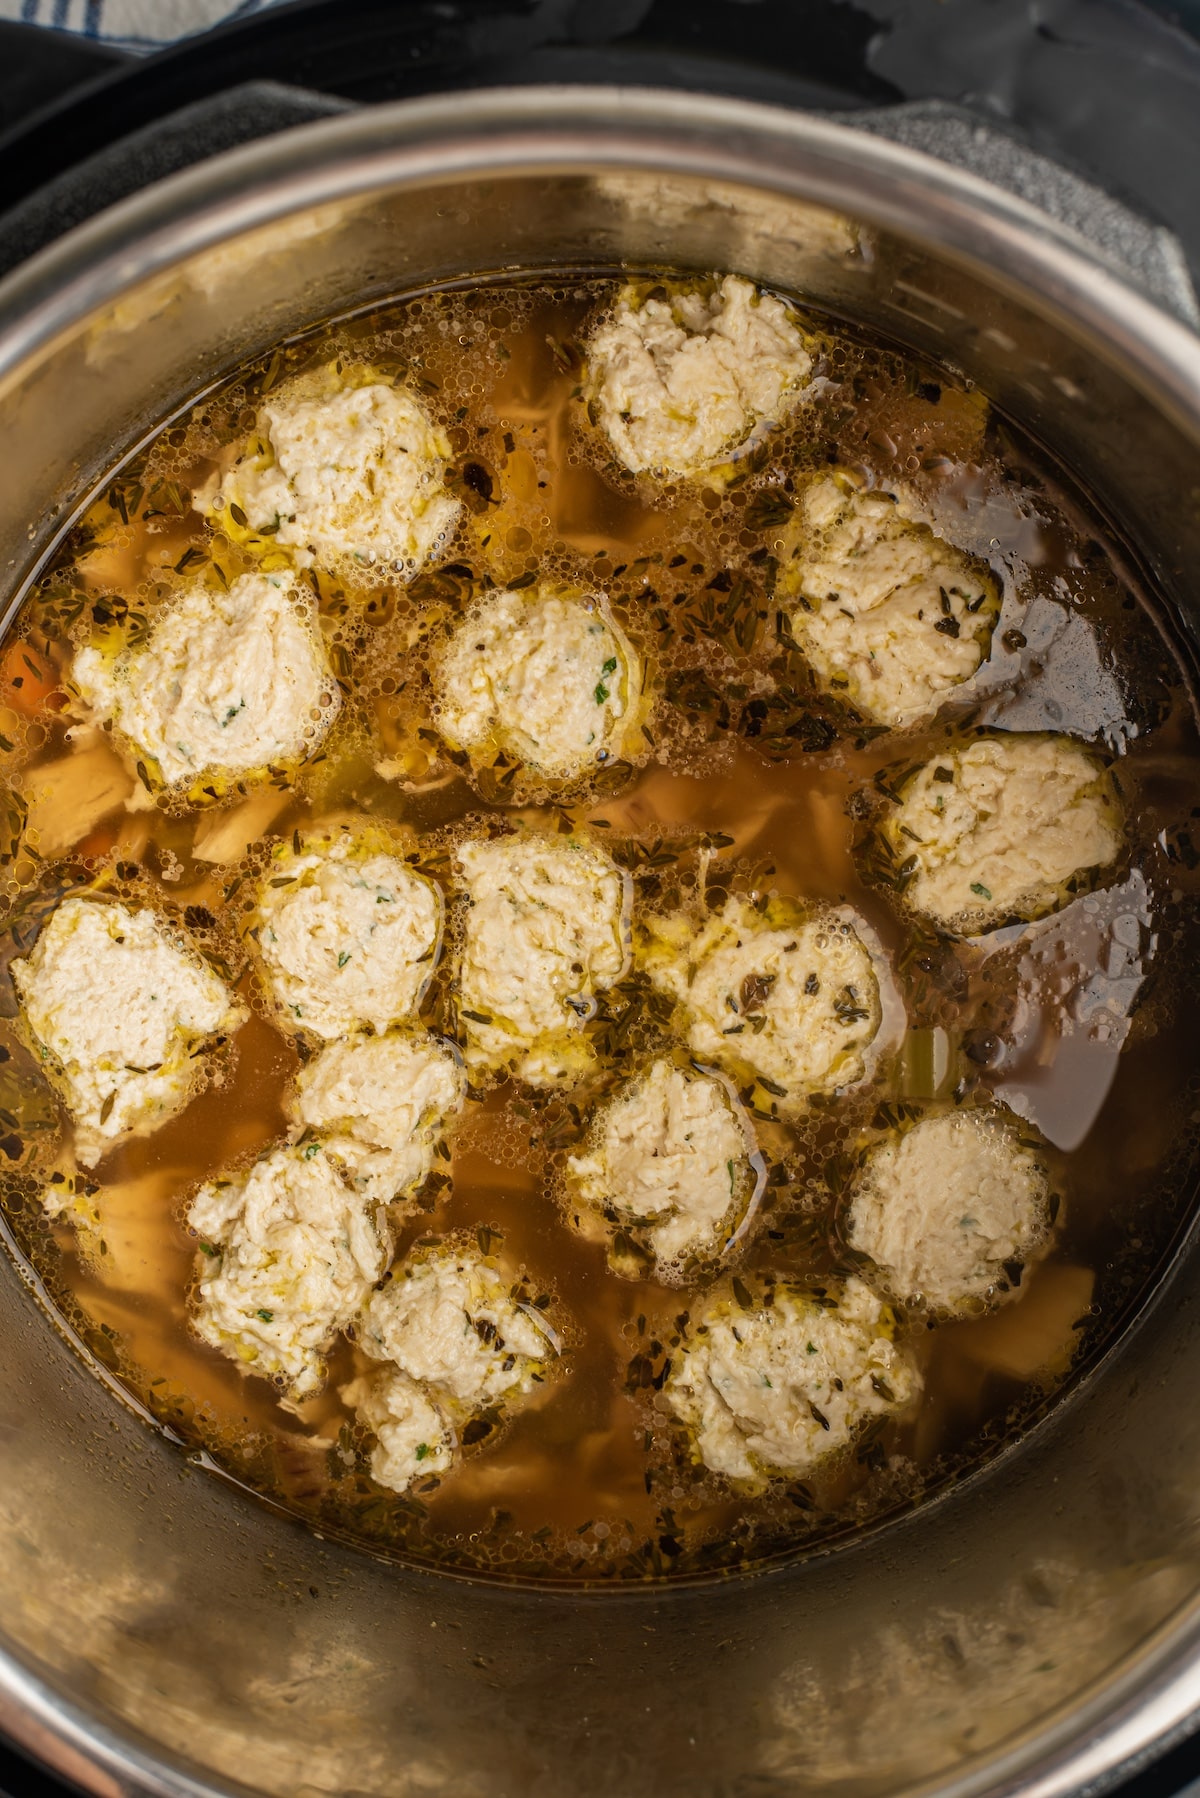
(747, 779)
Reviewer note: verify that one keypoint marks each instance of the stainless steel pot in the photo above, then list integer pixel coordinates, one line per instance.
(1035, 1629)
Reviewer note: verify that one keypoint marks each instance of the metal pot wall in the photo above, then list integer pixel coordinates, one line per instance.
(1036, 1628)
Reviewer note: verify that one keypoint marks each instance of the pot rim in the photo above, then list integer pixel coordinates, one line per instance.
(438, 139)
(1129, 1716)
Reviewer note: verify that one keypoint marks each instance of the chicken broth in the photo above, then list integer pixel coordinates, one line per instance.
(738, 779)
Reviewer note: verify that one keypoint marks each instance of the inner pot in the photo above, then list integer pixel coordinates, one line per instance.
(1035, 1627)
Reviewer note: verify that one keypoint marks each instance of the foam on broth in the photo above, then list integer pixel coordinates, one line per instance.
(1080, 1023)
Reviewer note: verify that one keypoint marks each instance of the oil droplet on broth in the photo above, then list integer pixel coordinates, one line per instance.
(1077, 1022)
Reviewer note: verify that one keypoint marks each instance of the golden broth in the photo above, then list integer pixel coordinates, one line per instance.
(1080, 1022)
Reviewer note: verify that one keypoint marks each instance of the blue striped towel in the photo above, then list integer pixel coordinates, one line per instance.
(141, 25)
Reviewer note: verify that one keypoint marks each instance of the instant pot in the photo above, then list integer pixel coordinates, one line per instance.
(1008, 188)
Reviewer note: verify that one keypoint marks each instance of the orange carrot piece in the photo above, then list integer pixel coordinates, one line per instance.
(27, 679)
